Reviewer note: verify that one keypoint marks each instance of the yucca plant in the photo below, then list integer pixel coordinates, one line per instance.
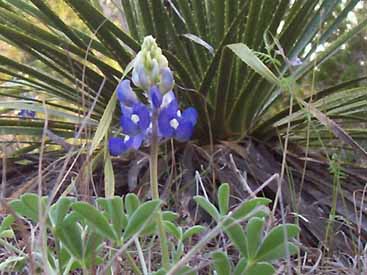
(237, 62)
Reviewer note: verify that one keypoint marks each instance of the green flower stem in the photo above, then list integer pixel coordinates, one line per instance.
(155, 193)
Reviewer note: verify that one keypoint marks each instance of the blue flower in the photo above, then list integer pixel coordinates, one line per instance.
(155, 97)
(135, 120)
(26, 113)
(118, 146)
(125, 94)
(173, 123)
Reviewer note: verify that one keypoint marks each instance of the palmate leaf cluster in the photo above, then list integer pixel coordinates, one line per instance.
(86, 237)
(80, 70)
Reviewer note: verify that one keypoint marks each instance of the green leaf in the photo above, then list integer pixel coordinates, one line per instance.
(140, 217)
(92, 245)
(95, 219)
(131, 203)
(173, 229)
(276, 238)
(59, 210)
(7, 222)
(70, 234)
(236, 234)
(194, 230)
(115, 212)
(240, 267)
(260, 268)
(7, 234)
(280, 252)
(249, 208)
(208, 207)
(169, 216)
(27, 206)
(223, 198)
(254, 232)
(221, 263)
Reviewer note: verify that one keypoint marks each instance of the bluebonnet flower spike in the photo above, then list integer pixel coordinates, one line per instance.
(135, 120)
(152, 74)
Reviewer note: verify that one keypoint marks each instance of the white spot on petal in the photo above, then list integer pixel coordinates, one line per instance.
(135, 118)
(174, 123)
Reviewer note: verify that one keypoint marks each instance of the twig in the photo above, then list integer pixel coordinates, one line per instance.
(240, 177)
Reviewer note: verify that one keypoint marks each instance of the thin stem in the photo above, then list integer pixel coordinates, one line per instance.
(155, 193)
(141, 257)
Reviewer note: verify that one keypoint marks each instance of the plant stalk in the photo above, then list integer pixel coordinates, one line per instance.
(155, 192)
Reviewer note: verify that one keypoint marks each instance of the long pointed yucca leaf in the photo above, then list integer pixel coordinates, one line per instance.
(53, 53)
(180, 51)
(36, 32)
(198, 59)
(62, 87)
(210, 72)
(146, 17)
(329, 51)
(313, 27)
(160, 30)
(220, 9)
(268, 96)
(130, 18)
(247, 56)
(336, 129)
(105, 30)
(37, 107)
(199, 13)
(334, 25)
(58, 22)
(339, 88)
(298, 18)
(222, 93)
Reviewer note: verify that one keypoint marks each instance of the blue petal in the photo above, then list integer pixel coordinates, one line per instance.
(168, 98)
(126, 94)
(22, 113)
(156, 97)
(172, 108)
(116, 146)
(128, 126)
(184, 131)
(135, 142)
(164, 126)
(167, 82)
(31, 114)
(144, 116)
(126, 111)
(191, 115)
